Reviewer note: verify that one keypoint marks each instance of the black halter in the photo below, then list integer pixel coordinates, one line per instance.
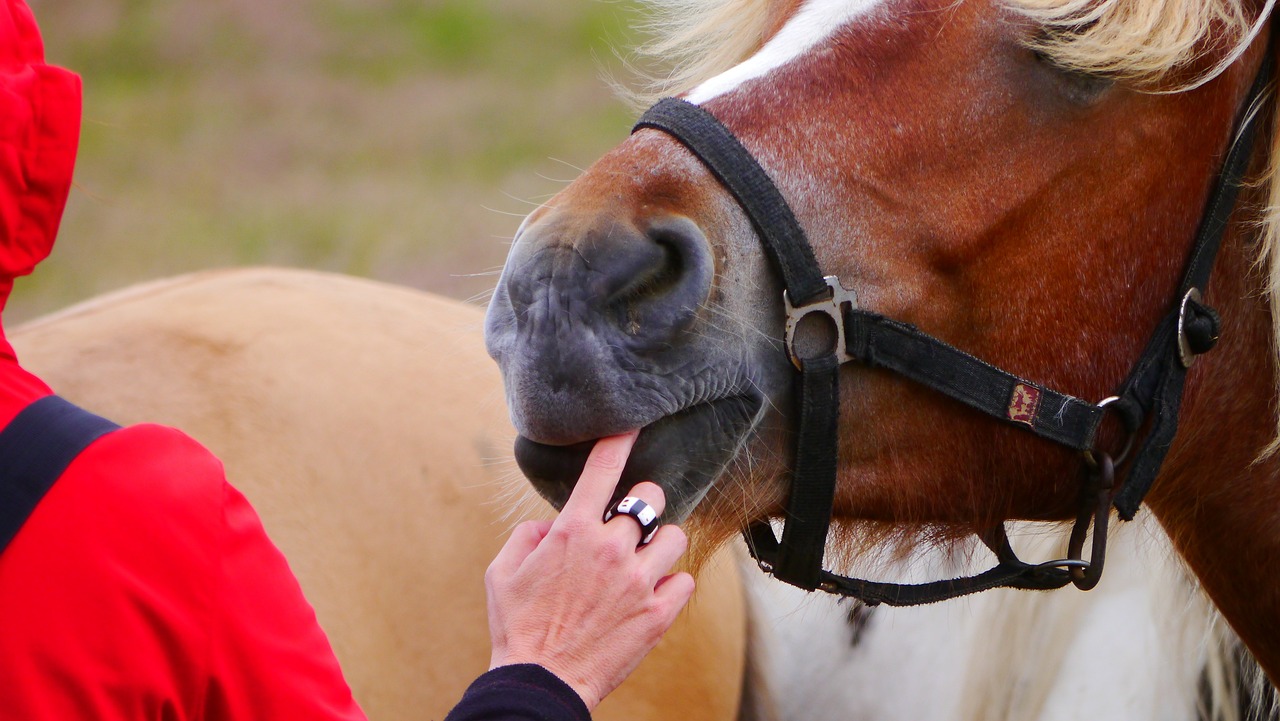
(1150, 398)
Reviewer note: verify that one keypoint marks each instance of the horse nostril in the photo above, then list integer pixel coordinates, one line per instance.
(633, 284)
(655, 280)
(664, 294)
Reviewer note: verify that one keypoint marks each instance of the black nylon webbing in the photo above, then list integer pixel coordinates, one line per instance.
(1165, 404)
(817, 391)
(750, 185)
(804, 535)
(1008, 573)
(902, 348)
(35, 448)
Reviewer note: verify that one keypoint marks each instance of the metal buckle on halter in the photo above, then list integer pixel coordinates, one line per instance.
(1186, 353)
(832, 307)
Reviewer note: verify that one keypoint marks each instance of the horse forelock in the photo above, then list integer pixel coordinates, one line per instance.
(1144, 41)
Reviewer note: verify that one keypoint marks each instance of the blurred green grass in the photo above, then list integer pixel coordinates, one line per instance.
(395, 139)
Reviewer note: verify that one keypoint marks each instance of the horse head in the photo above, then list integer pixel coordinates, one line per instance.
(978, 169)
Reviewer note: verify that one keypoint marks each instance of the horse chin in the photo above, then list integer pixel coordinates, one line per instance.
(684, 453)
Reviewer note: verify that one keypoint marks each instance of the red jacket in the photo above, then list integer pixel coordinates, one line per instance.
(143, 586)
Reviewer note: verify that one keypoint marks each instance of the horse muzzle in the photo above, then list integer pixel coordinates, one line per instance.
(605, 320)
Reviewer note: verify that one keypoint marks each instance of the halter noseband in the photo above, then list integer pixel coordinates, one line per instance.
(1151, 396)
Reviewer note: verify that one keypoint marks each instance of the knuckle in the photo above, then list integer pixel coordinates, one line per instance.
(682, 542)
(491, 576)
(653, 634)
(638, 579)
(659, 617)
(650, 490)
(671, 540)
(568, 528)
(613, 551)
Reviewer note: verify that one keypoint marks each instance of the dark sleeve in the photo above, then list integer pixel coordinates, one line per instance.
(522, 692)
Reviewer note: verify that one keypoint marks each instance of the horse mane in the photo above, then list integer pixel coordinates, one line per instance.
(691, 41)
(1140, 42)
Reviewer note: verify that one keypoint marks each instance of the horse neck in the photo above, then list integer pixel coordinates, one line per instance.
(1220, 502)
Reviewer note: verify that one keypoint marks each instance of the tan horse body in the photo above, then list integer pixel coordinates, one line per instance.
(367, 426)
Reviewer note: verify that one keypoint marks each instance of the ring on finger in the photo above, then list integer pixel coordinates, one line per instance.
(641, 512)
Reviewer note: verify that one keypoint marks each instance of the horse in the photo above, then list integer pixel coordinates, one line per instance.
(1021, 180)
(365, 425)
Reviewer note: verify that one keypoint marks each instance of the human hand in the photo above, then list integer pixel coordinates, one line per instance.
(576, 595)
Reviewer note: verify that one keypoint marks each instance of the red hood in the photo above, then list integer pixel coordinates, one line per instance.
(39, 130)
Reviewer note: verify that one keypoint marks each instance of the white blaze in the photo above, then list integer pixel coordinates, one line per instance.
(814, 22)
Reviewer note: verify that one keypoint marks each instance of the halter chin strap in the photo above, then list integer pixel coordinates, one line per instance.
(1152, 392)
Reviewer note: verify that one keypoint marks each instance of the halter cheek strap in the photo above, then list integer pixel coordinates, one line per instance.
(799, 558)
(1153, 390)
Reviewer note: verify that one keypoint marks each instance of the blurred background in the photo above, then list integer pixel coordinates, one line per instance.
(400, 140)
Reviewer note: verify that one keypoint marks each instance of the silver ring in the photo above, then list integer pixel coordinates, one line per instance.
(637, 509)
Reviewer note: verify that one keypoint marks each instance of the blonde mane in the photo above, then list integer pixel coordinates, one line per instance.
(692, 41)
(1141, 42)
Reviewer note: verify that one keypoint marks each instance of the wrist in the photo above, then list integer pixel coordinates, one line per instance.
(573, 682)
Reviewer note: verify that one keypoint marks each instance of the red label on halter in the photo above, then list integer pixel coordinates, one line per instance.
(1024, 403)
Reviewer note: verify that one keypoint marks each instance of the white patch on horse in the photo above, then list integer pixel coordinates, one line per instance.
(1001, 654)
(816, 21)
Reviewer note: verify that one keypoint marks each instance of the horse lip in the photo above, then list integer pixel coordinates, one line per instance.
(545, 465)
(554, 469)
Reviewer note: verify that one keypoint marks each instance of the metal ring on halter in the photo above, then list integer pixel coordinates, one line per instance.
(637, 509)
(1120, 457)
(1065, 563)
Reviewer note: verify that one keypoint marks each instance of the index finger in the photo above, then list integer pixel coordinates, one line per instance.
(600, 476)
